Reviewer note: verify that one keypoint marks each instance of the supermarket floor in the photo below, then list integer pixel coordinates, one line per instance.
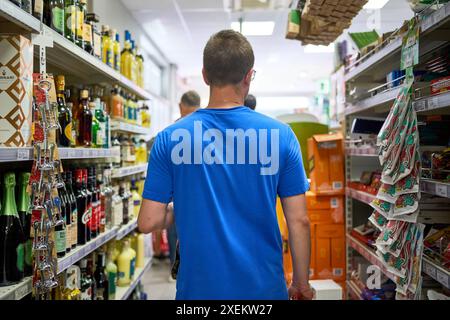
(156, 282)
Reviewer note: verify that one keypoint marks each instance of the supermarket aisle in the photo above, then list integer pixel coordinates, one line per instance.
(156, 282)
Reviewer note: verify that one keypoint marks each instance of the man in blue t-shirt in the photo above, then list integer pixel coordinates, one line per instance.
(223, 167)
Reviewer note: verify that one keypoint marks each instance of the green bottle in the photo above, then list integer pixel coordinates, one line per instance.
(11, 236)
(97, 140)
(70, 18)
(23, 208)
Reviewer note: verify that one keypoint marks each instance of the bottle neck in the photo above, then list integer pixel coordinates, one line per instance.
(9, 207)
(24, 199)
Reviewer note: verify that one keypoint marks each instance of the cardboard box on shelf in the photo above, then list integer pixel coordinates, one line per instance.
(16, 90)
(326, 163)
(325, 209)
(330, 252)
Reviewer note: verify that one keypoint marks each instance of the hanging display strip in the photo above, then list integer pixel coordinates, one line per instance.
(122, 293)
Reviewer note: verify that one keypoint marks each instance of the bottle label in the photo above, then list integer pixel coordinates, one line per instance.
(58, 19)
(108, 58)
(87, 33)
(87, 216)
(38, 5)
(137, 203)
(132, 267)
(97, 45)
(60, 239)
(80, 23)
(71, 12)
(112, 285)
(86, 294)
(20, 251)
(100, 294)
(100, 136)
(120, 275)
(94, 217)
(68, 131)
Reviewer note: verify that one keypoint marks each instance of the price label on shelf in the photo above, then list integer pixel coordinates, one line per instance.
(442, 278)
(433, 103)
(441, 190)
(420, 105)
(430, 270)
(23, 154)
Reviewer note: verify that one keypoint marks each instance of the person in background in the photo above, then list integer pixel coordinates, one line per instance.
(250, 102)
(190, 102)
(225, 211)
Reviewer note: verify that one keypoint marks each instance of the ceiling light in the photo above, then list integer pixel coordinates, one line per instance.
(375, 4)
(319, 49)
(254, 28)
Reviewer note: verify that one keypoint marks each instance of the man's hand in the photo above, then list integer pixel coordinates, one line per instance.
(300, 293)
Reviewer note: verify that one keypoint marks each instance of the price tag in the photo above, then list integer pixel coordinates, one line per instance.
(23, 154)
(430, 270)
(433, 103)
(427, 22)
(441, 190)
(22, 290)
(420, 105)
(442, 278)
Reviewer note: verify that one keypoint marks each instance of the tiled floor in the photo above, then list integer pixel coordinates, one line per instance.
(156, 282)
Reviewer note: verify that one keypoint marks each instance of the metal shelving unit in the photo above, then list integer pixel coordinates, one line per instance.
(128, 171)
(12, 13)
(17, 291)
(122, 293)
(368, 71)
(126, 229)
(26, 153)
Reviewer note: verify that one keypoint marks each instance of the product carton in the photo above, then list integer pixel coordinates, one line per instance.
(16, 87)
(326, 290)
(330, 252)
(326, 163)
(325, 209)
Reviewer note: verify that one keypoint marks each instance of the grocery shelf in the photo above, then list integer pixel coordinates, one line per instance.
(14, 14)
(436, 271)
(369, 254)
(87, 153)
(431, 22)
(68, 57)
(129, 171)
(361, 152)
(374, 101)
(437, 188)
(80, 252)
(353, 290)
(16, 154)
(26, 153)
(432, 102)
(122, 293)
(359, 195)
(128, 128)
(126, 229)
(17, 291)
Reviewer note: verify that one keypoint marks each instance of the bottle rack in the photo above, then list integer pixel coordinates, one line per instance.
(357, 159)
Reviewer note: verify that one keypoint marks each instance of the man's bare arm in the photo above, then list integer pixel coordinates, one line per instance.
(299, 239)
(154, 216)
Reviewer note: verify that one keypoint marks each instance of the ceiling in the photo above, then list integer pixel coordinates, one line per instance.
(181, 29)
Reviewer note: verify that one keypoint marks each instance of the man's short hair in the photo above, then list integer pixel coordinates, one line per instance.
(191, 99)
(227, 58)
(250, 102)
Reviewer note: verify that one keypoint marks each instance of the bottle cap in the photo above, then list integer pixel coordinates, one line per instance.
(24, 178)
(105, 28)
(9, 179)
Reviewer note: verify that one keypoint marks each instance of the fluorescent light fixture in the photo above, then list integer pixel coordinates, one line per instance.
(375, 4)
(254, 28)
(318, 49)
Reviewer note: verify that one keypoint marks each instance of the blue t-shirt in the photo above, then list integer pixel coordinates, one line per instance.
(223, 169)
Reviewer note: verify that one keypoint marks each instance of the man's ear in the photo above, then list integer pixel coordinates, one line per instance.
(205, 78)
(248, 77)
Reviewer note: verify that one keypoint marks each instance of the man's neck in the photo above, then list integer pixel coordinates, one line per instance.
(225, 97)
(188, 112)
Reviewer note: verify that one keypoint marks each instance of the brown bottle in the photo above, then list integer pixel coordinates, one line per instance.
(83, 118)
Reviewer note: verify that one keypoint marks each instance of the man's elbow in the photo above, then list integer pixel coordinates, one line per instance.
(302, 222)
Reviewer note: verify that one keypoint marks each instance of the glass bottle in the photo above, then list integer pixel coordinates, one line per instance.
(108, 191)
(27, 6)
(126, 58)
(56, 12)
(90, 272)
(130, 201)
(85, 281)
(60, 230)
(96, 35)
(84, 121)
(140, 251)
(137, 199)
(100, 116)
(133, 72)
(23, 208)
(81, 16)
(117, 51)
(111, 271)
(116, 149)
(116, 104)
(87, 37)
(145, 116)
(97, 134)
(101, 191)
(139, 68)
(125, 203)
(73, 208)
(92, 186)
(101, 278)
(81, 197)
(88, 213)
(107, 51)
(64, 136)
(117, 207)
(12, 238)
(70, 14)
